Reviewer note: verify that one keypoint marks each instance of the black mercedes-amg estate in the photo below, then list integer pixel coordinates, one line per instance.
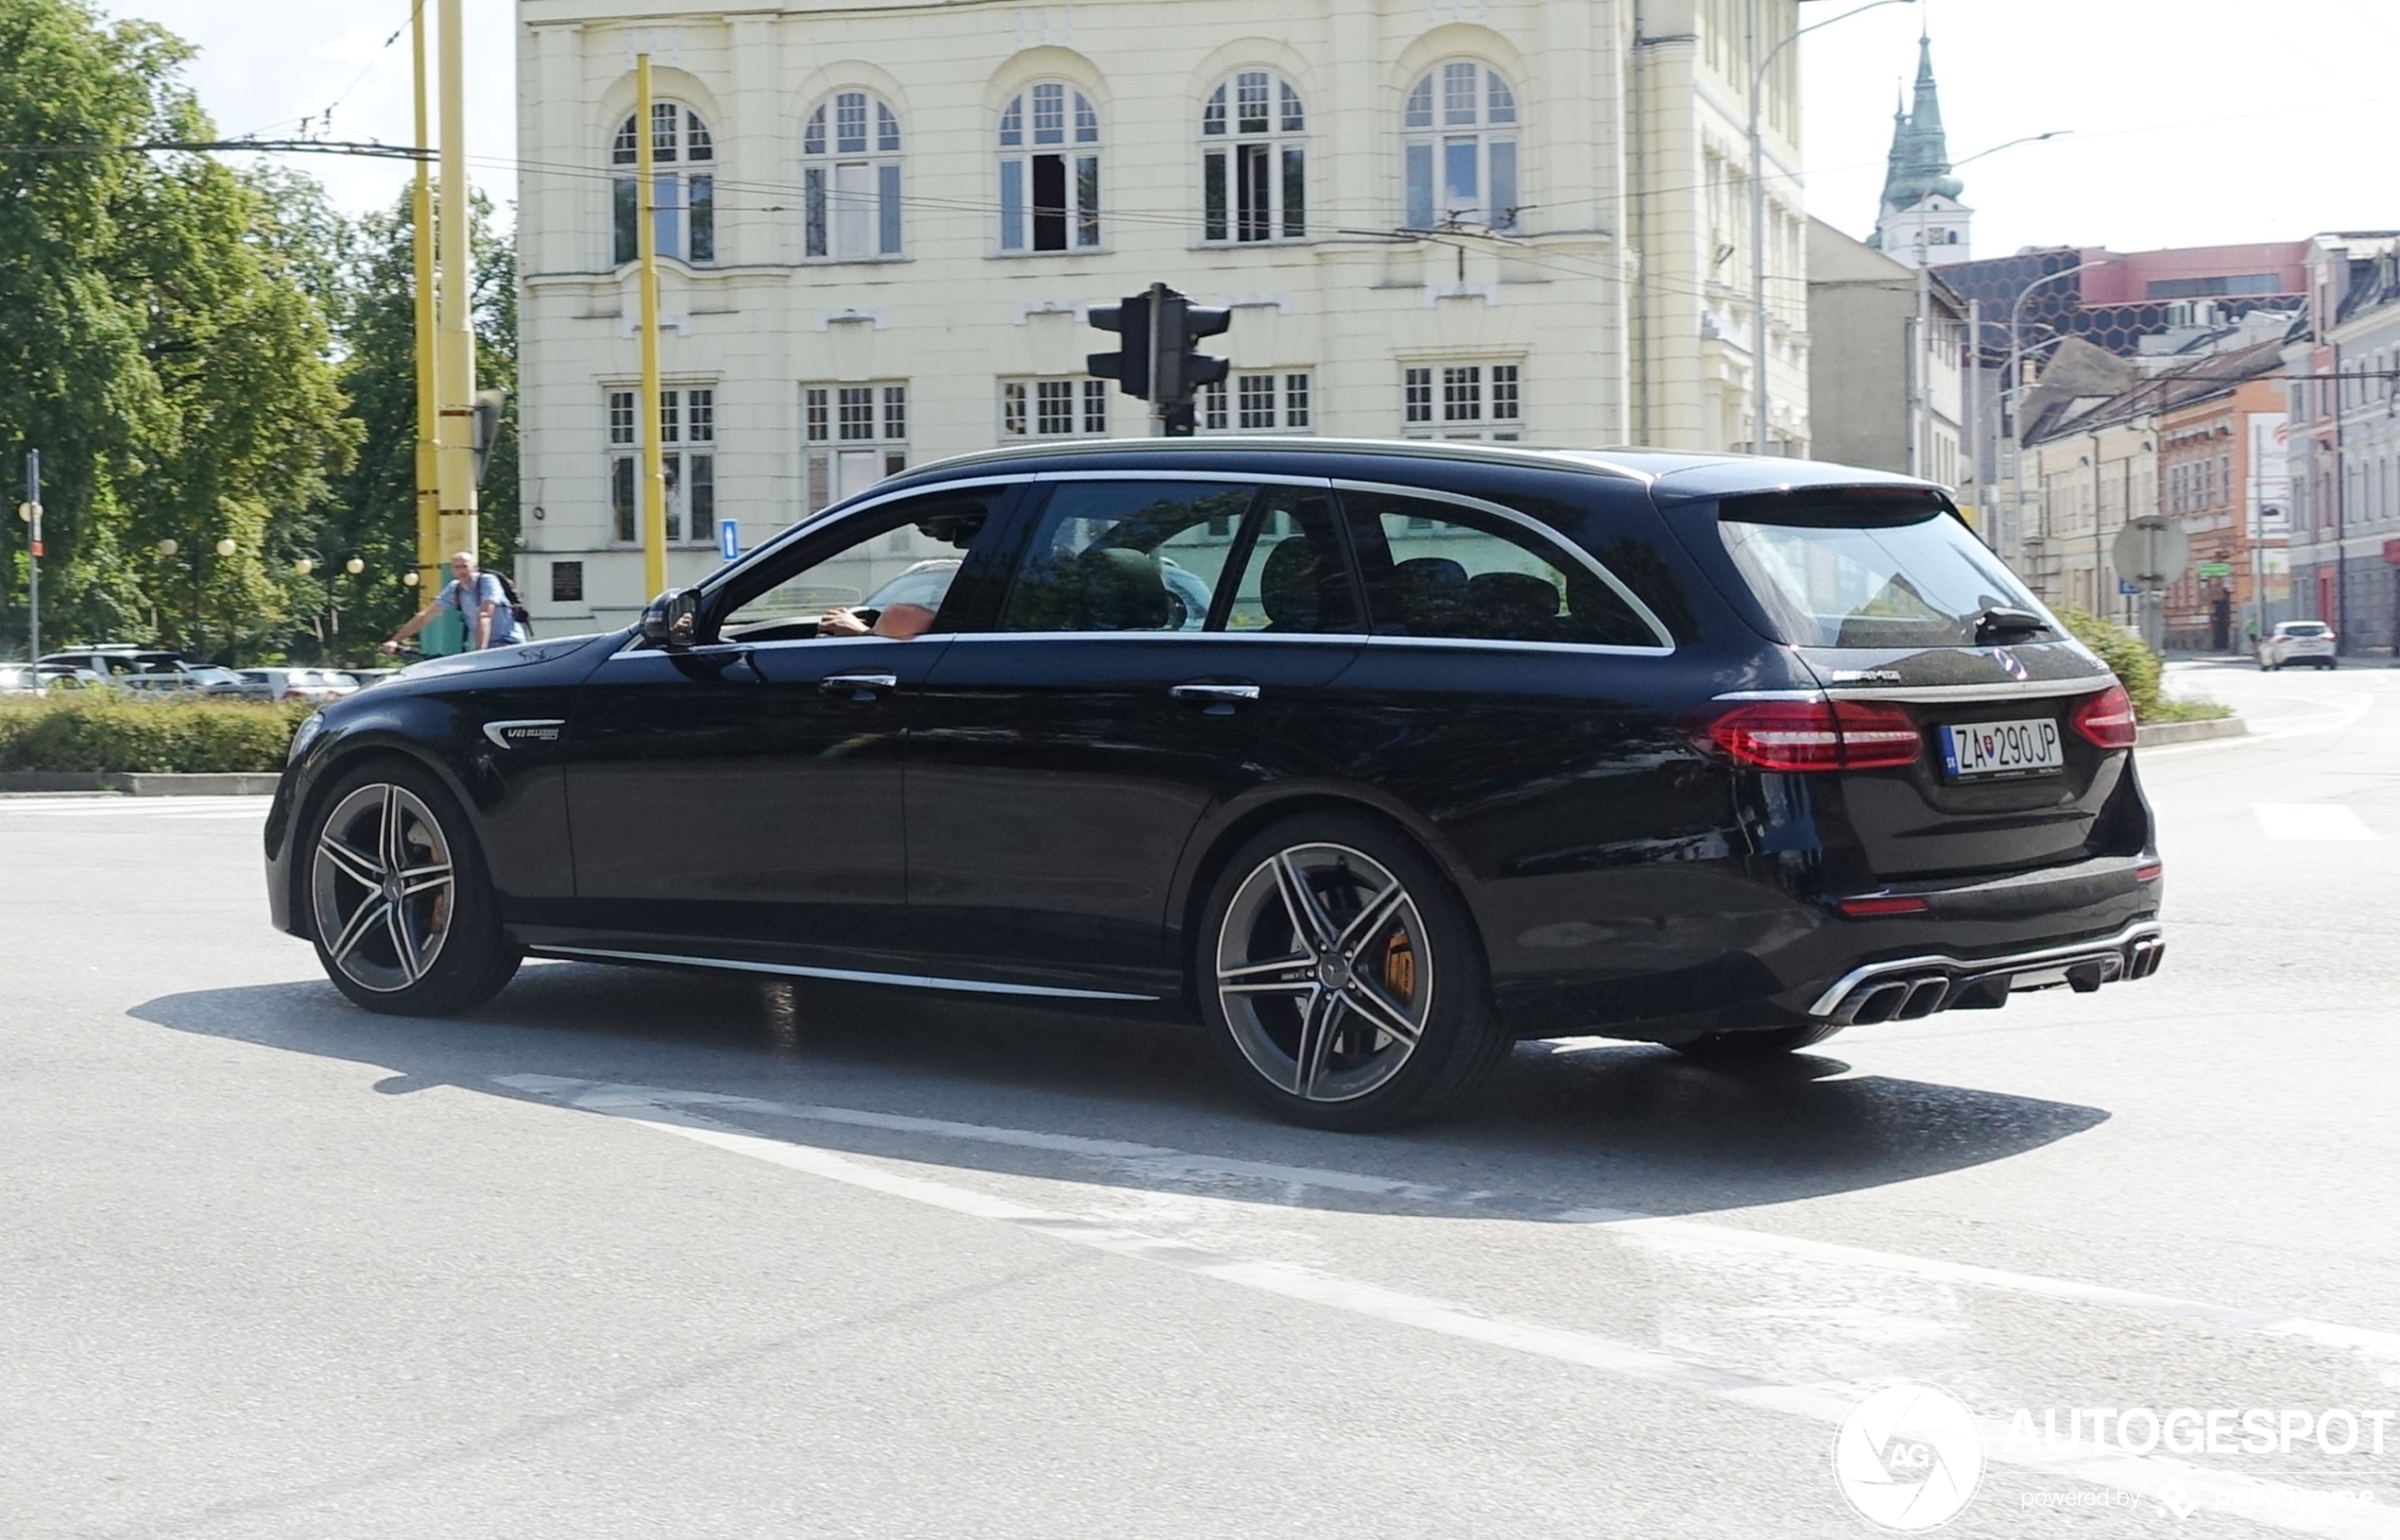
(1378, 757)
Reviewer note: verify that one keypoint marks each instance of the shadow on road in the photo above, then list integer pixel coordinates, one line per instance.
(1622, 1127)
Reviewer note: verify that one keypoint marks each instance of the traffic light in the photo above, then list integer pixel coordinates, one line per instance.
(1130, 365)
(1157, 361)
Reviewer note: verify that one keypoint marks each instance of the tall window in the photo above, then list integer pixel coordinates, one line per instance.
(1075, 408)
(1254, 160)
(1462, 400)
(1458, 147)
(684, 159)
(1258, 403)
(852, 437)
(686, 427)
(851, 177)
(1049, 170)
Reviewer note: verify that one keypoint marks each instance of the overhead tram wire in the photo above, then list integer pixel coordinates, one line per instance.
(369, 148)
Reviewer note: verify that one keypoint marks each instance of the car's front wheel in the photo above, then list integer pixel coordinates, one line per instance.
(1341, 976)
(403, 914)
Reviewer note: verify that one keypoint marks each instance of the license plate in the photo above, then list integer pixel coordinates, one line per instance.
(1975, 750)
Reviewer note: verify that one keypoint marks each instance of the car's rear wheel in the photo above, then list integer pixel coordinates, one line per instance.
(1342, 976)
(402, 909)
(1762, 1043)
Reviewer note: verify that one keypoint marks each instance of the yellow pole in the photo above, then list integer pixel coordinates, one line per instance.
(654, 464)
(454, 357)
(428, 413)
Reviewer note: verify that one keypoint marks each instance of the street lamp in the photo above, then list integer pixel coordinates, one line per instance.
(2016, 383)
(1759, 220)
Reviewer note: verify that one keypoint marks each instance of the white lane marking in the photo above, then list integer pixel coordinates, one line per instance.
(2331, 718)
(1159, 1161)
(2275, 1504)
(2312, 821)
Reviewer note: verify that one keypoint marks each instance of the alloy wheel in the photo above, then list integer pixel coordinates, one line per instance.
(1324, 973)
(384, 887)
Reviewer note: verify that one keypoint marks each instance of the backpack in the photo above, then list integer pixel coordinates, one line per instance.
(516, 605)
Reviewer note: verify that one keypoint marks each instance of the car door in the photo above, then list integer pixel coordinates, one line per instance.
(743, 795)
(1158, 631)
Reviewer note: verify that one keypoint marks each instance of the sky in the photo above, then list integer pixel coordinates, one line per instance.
(2194, 122)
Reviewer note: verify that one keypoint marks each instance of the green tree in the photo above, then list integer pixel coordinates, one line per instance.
(373, 509)
(165, 340)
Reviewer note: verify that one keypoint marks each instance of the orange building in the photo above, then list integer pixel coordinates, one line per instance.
(2222, 477)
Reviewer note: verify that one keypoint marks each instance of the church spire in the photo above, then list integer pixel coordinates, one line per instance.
(1919, 164)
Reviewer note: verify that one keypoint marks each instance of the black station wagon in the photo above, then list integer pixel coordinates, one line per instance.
(1377, 757)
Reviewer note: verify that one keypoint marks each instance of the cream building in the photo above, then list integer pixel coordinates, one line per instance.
(883, 224)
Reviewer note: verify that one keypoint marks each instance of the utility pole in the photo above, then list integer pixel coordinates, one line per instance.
(1971, 402)
(1921, 407)
(454, 355)
(33, 554)
(428, 407)
(654, 460)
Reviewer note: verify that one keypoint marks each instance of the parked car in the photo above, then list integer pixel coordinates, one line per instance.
(1473, 743)
(203, 680)
(117, 660)
(299, 683)
(20, 679)
(367, 678)
(2297, 641)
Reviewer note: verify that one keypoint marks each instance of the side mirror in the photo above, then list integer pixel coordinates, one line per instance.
(672, 618)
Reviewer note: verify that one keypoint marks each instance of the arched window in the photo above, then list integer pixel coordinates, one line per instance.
(1458, 145)
(1049, 170)
(683, 159)
(852, 174)
(1254, 160)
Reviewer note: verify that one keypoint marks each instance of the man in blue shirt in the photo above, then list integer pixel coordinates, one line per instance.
(481, 601)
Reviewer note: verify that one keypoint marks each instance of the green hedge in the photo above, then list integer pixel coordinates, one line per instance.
(2137, 668)
(99, 730)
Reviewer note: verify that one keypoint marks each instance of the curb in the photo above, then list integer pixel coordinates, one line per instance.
(2153, 734)
(139, 783)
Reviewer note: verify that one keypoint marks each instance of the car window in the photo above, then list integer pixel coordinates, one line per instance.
(1292, 577)
(1861, 572)
(2302, 628)
(1126, 556)
(824, 592)
(1438, 569)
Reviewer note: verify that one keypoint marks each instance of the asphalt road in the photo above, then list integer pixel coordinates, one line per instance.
(642, 1255)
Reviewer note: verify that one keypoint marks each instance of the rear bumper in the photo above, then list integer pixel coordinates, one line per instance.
(1904, 988)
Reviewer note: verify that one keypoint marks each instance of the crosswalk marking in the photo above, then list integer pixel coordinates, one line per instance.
(2312, 821)
(168, 808)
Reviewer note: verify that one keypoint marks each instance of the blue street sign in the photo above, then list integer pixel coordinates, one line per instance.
(729, 539)
(2127, 588)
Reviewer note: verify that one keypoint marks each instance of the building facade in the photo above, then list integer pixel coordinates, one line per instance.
(882, 226)
(2342, 386)
(1886, 385)
(2222, 479)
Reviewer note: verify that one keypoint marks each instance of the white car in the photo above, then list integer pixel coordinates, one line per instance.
(297, 683)
(2297, 641)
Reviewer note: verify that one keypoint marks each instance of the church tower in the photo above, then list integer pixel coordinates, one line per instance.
(1922, 218)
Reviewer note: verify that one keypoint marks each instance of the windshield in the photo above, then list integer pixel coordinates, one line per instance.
(1831, 576)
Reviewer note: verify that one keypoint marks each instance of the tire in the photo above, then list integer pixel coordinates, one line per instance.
(1342, 976)
(1750, 1046)
(439, 949)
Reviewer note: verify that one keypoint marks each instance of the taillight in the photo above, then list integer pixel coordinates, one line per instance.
(2107, 718)
(1817, 735)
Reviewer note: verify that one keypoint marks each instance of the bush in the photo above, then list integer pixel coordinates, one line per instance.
(99, 730)
(2137, 668)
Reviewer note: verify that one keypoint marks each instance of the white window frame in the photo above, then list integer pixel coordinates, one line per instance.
(1449, 133)
(1462, 399)
(1279, 401)
(685, 214)
(853, 434)
(1049, 120)
(850, 181)
(1254, 164)
(1032, 408)
(686, 426)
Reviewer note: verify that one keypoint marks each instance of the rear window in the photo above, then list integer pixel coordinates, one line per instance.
(1858, 569)
(2302, 628)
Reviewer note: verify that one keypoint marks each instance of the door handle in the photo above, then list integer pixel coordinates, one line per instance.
(859, 686)
(1214, 692)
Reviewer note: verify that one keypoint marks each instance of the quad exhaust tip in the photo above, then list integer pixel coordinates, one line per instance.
(1909, 993)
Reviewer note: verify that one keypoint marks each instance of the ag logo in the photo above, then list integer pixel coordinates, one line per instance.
(1907, 1458)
